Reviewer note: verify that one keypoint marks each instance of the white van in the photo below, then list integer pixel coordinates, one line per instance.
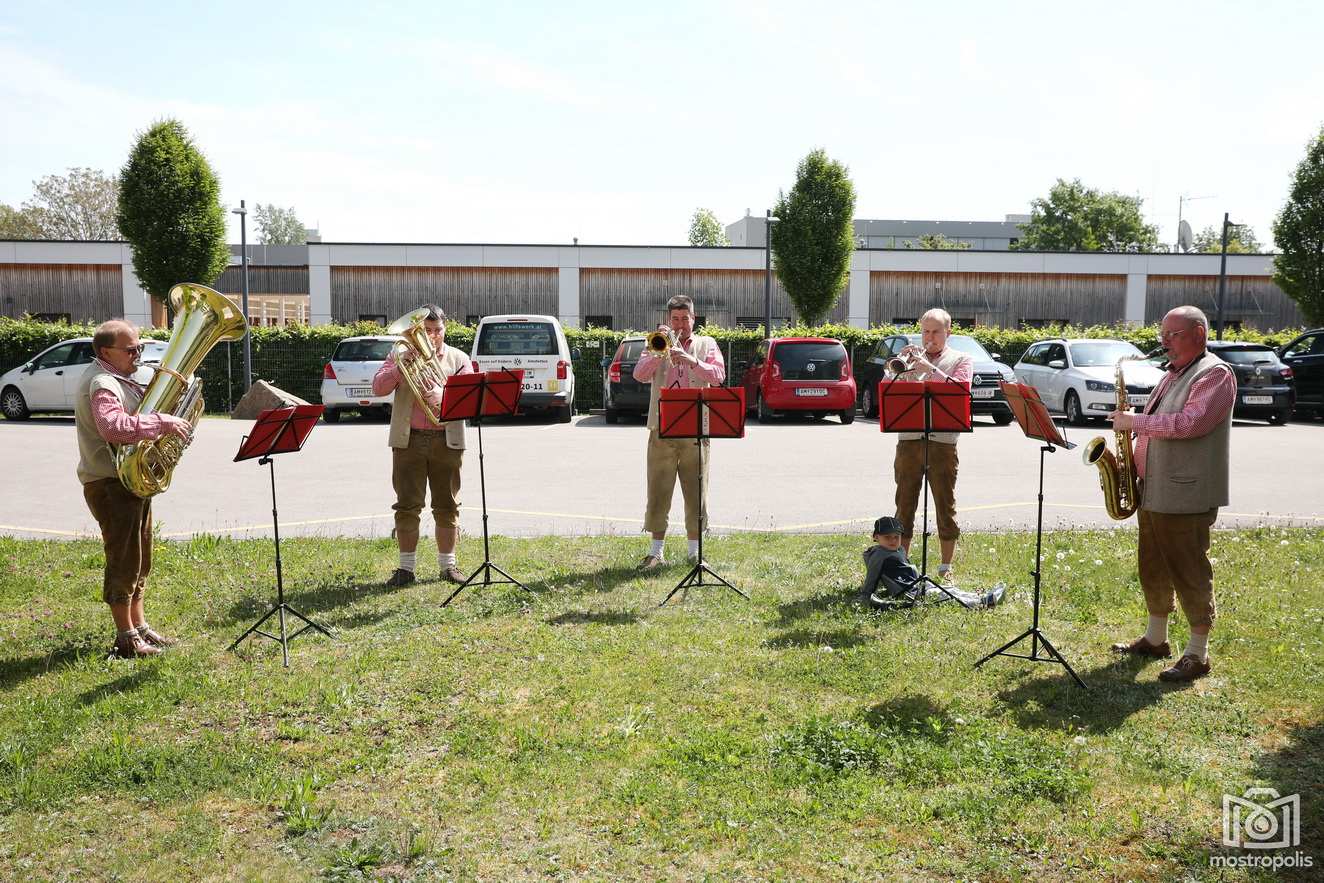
(538, 345)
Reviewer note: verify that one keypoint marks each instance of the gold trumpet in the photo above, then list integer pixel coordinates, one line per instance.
(417, 360)
(661, 341)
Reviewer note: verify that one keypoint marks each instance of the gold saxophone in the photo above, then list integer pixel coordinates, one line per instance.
(1117, 474)
(203, 318)
(416, 359)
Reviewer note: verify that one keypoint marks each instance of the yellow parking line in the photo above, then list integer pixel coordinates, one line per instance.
(57, 533)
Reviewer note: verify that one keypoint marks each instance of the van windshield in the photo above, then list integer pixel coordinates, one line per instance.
(517, 339)
(362, 350)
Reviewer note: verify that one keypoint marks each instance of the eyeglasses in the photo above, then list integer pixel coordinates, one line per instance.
(1169, 335)
(133, 350)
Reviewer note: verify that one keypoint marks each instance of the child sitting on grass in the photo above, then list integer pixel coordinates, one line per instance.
(889, 577)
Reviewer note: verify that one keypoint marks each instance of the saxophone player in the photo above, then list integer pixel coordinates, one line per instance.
(1181, 459)
(104, 417)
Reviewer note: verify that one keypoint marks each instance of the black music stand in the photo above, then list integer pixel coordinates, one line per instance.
(701, 414)
(279, 431)
(924, 406)
(1037, 424)
(472, 397)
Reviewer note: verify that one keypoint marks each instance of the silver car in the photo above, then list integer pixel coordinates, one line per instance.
(48, 382)
(347, 377)
(1077, 377)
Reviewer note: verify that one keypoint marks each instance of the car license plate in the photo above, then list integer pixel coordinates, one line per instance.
(1257, 400)
(985, 393)
(812, 391)
(532, 387)
(360, 392)
(1137, 400)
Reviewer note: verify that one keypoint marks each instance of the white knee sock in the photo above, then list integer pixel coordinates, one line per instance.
(446, 559)
(408, 561)
(1157, 630)
(656, 549)
(1198, 646)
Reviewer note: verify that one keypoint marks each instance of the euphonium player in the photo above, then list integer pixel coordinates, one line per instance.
(424, 455)
(104, 417)
(1181, 458)
(693, 361)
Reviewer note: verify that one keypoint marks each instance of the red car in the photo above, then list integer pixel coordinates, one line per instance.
(810, 374)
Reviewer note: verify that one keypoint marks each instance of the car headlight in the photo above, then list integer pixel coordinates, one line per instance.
(1099, 386)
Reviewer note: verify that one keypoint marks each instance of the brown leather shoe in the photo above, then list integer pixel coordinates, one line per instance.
(132, 648)
(400, 577)
(1141, 647)
(651, 562)
(452, 574)
(1188, 668)
(155, 638)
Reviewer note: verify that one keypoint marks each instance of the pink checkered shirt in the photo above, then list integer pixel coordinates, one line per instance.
(117, 425)
(1210, 400)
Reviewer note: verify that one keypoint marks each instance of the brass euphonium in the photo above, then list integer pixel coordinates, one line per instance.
(1117, 473)
(417, 360)
(203, 318)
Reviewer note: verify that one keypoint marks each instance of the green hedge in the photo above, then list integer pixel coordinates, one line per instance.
(292, 357)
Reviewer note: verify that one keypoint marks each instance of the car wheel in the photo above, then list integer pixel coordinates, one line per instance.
(565, 412)
(1002, 419)
(612, 416)
(1075, 416)
(765, 416)
(12, 404)
(868, 404)
(331, 415)
(847, 416)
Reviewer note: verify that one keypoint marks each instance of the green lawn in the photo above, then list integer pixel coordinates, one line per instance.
(577, 731)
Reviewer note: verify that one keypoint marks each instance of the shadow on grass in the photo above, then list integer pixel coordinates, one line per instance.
(15, 671)
(319, 599)
(1116, 691)
(143, 673)
(598, 581)
(837, 639)
(914, 713)
(837, 600)
(1298, 768)
(599, 617)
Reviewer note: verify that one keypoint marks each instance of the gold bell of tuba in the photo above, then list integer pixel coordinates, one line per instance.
(203, 318)
(417, 360)
(1117, 473)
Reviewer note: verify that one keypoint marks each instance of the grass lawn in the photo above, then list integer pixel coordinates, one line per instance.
(578, 731)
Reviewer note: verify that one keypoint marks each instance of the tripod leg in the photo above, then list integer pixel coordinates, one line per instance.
(1060, 658)
(255, 627)
(1005, 647)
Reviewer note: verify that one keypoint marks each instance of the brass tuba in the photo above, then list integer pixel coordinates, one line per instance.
(203, 318)
(1117, 473)
(417, 360)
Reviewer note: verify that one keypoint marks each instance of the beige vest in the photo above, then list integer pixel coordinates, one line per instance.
(703, 346)
(947, 363)
(402, 406)
(1189, 475)
(96, 455)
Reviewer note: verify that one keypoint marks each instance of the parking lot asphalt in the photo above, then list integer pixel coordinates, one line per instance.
(587, 477)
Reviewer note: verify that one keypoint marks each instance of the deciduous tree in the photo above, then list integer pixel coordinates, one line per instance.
(813, 242)
(1077, 218)
(1298, 232)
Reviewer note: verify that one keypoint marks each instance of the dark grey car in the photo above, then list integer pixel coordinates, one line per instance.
(985, 395)
(621, 393)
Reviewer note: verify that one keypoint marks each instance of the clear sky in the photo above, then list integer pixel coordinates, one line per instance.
(612, 122)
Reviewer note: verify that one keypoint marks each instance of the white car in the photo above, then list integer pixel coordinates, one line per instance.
(536, 344)
(49, 382)
(347, 377)
(1078, 377)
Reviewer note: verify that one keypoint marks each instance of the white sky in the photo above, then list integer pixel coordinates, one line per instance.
(509, 122)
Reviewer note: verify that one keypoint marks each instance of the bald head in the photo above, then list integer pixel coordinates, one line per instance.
(108, 334)
(1183, 333)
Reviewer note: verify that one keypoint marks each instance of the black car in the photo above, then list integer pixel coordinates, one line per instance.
(1305, 356)
(1265, 389)
(985, 394)
(621, 393)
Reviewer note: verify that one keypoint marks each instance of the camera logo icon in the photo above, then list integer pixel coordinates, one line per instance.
(1260, 819)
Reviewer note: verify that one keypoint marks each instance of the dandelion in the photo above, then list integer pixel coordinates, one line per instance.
(1079, 740)
(1061, 555)
(1283, 543)
(1098, 562)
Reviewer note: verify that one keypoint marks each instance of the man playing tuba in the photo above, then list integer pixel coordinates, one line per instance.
(423, 453)
(104, 417)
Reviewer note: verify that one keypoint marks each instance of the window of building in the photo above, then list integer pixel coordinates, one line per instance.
(54, 317)
(700, 321)
(749, 323)
(905, 320)
(376, 318)
(471, 318)
(598, 321)
(1041, 323)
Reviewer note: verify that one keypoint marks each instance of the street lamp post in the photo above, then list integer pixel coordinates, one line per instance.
(243, 259)
(767, 273)
(1222, 279)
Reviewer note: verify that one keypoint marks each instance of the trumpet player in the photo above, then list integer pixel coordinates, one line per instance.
(690, 360)
(1181, 458)
(932, 360)
(424, 456)
(104, 417)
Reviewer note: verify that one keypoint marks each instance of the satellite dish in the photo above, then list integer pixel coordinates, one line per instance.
(1185, 240)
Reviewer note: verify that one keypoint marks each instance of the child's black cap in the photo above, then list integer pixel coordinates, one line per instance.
(888, 524)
